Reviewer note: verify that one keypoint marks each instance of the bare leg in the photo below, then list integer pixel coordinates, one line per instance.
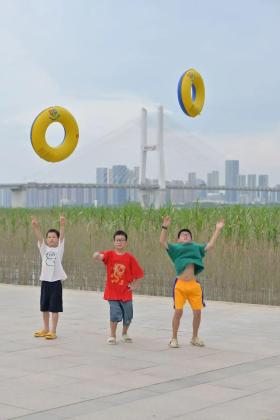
(55, 316)
(125, 329)
(113, 326)
(196, 322)
(176, 321)
(46, 320)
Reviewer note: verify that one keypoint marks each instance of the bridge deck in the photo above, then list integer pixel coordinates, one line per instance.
(151, 187)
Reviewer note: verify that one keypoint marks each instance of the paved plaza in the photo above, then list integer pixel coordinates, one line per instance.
(79, 376)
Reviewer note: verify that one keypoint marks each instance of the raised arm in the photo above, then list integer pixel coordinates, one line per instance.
(163, 234)
(219, 226)
(37, 230)
(97, 256)
(62, 228)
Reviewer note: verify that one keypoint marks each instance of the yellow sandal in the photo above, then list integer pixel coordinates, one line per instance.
(50, 336)
(41, 333)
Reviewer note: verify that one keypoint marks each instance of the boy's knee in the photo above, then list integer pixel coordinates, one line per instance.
(114, 321)
(178, 313)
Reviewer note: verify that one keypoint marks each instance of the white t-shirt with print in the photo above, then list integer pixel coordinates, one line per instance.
(52, 269)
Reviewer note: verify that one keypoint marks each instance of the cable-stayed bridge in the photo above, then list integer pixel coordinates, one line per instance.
(123, 185)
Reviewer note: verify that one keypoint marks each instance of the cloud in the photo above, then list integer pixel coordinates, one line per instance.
(105, 73)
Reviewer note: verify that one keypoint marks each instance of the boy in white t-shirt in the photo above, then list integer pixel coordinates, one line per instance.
(52, 275)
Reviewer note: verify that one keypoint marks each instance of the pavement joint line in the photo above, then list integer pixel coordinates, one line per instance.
(16, 406)
(216, 405)
(179, 383)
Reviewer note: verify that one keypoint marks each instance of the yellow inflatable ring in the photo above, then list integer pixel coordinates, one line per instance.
(39, 128)
(191, 93)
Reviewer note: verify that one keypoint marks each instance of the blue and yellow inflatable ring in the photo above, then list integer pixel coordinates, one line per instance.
(39, 128)
(191, 93)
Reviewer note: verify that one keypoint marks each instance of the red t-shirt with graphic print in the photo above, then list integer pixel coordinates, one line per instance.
(121, 270)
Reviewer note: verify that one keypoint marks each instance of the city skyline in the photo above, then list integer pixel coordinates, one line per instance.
(177, 192)
(232, 179)
(211, 178)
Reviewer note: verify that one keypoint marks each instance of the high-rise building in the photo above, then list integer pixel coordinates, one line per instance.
(252, 183)
(213, 179)
(201, 194)
(242, 195)
(192, 178)
(5, 198)
(120, 176)
(133, 179)
(263, 182)
(102, 193)
(231, 180)
(277, 195)
(192, 194)
(175, 196)
(242, 180)
(110, 190)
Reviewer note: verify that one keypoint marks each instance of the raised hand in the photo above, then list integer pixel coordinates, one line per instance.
(34, 221)
(37, 229)
(166, 221)
(220, 224)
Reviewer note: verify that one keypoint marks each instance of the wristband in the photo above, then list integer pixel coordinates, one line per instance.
(164, 227)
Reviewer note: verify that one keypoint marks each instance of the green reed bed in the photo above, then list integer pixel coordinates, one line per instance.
(244, 266)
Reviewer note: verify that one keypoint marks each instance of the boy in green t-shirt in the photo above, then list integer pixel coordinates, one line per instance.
(187, 257)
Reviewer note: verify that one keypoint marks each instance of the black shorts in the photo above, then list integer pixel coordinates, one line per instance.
(51, 296)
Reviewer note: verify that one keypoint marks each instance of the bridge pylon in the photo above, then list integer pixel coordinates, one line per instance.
(151, 196)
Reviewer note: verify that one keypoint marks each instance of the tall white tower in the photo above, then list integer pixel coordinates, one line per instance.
(149, 194)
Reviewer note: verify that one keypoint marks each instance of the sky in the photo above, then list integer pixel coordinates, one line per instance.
(104, 61)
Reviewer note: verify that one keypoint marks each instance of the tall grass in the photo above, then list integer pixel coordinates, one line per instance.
(243, 267)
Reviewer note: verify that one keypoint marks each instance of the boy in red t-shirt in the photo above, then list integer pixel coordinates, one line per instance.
(123, 271)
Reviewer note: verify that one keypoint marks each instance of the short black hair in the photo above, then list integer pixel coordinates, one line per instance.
(120, 232)
(53, 231)
(184, 230)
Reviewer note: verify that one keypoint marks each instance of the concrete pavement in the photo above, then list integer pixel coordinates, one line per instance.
(78, 376)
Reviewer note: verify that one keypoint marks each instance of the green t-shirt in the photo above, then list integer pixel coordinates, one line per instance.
(183, 254)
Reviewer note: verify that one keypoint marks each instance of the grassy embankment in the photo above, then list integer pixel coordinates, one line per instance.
(244, 266)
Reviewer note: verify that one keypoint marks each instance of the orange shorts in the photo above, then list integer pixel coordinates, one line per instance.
(188, 290)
